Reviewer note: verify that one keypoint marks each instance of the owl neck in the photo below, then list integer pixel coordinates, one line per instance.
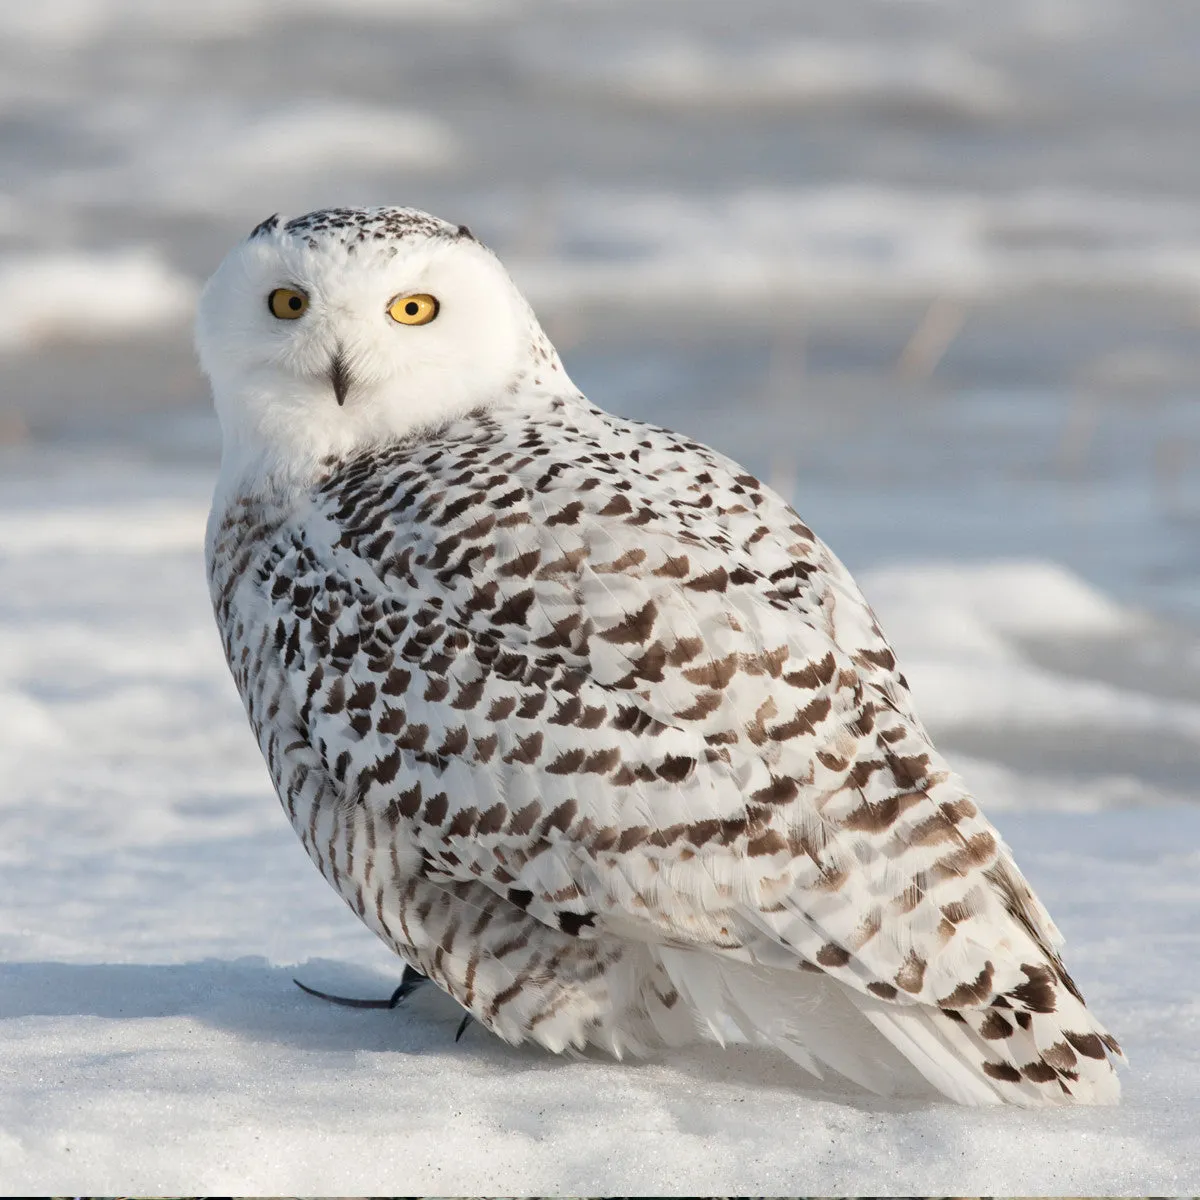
(285, 443)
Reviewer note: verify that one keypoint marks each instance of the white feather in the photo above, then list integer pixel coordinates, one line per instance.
(579, 716)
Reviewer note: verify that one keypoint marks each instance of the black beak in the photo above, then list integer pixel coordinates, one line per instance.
(339, 376)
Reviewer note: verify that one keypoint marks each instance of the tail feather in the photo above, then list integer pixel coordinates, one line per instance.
(808, 1017)
(1035, 1058)
(935, 1048)
(973, 1056)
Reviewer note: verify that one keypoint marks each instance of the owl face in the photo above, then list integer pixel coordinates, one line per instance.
(346, 328)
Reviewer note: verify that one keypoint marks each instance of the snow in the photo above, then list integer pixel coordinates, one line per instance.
(1026, 598)
(197, 157)
(154, 907)
(1022, 520)
(687, 72)
(78, 296)
(629, 250)
(633, 251)
(841, 241)
(69, 22)
(953, 630)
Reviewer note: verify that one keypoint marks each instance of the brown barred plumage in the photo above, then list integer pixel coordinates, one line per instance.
(589, 727)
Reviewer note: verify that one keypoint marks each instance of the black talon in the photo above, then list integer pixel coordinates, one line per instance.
(409, 982)
(462, 1027)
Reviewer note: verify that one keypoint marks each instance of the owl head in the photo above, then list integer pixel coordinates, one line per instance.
(349, 328)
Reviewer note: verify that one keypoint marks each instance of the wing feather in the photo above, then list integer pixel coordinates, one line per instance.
(639, 691)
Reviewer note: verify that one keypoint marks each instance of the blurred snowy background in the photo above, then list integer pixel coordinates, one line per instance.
(932, 267)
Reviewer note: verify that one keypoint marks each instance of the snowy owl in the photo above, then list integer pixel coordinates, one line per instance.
(580, 717)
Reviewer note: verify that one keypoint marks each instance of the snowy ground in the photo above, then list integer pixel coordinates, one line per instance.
(154, 907)
(932, 268)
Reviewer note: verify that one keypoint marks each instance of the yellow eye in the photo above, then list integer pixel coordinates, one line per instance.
(414, 310)
(287, 304)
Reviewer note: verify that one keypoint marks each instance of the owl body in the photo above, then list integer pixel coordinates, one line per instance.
(588, 726)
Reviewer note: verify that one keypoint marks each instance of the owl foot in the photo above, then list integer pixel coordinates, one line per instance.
(409, 982)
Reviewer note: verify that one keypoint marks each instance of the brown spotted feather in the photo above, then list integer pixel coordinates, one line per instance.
(558, 702)
(580, 717)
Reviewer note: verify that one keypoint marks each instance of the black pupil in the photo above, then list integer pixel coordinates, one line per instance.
(294, 303)
(412, 308)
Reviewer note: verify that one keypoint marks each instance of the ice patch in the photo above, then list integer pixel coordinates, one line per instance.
(78, 296)
(687, 73)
